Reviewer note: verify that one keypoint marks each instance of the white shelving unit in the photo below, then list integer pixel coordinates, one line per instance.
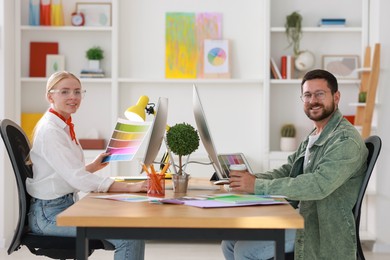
(134, 48)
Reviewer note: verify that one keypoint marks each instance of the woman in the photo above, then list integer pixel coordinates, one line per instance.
(59, 167)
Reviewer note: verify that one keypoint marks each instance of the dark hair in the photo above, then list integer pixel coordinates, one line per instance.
(322, 74)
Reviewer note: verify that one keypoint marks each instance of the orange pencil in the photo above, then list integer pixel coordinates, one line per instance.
(165, 168)
(145, 169)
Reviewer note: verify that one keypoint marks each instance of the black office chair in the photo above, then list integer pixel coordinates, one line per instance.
(18, 148)
(374, 145)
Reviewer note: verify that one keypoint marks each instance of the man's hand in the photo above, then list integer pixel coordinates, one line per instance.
(242, 181)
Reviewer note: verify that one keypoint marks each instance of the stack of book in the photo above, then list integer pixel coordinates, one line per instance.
(332, 22)
(92, 73)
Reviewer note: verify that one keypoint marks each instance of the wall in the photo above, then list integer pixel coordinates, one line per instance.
(7, 190)
(379, 33)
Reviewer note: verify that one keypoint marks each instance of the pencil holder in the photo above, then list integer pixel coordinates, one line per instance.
(156, 185)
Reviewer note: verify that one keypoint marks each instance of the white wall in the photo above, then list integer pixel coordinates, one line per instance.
(379, 33)
(7, 183)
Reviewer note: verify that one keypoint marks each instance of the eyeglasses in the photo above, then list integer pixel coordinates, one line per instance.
(67, 92)
(319, 95)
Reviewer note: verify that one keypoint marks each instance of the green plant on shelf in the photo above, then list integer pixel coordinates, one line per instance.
(288, 130)
(293, 31)
(95, 53)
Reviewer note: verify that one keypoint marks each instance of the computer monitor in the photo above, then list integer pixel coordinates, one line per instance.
(205, 136)
(158, 131)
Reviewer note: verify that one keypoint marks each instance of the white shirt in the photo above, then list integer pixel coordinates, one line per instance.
(58, 163)
(312, 139)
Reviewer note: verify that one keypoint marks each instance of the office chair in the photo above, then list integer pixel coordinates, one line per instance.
(374, 145)
(55, 247)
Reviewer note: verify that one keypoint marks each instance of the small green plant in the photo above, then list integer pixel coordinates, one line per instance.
(293, 31)
(183, 140)
(288, 130)
(94, 53)
(362, 97)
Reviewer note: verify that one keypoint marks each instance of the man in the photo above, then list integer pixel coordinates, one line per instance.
(324, 176)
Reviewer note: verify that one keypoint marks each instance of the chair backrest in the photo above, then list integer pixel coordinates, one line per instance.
(374, 145)
(18, 148)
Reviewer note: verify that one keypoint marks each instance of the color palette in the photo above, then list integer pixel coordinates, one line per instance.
(216, 56)
(126, 140)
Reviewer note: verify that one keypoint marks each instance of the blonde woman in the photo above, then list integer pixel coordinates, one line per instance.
(59, 167)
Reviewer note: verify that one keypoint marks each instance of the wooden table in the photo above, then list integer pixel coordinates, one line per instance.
(108, 219)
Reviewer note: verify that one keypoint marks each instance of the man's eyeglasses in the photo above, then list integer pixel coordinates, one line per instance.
(319, 95)
(67, 92)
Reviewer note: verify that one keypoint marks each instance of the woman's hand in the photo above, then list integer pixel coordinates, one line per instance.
(97, 164)
(141, 186)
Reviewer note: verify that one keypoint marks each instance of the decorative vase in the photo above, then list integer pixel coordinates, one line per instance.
(94, 64)
(304, 61)
(180, 182)
(288, 144)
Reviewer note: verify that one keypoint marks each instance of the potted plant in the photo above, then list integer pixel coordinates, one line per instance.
(182, 140)
(94, 56)
(304, 60)
(288, 140)
(293, 31)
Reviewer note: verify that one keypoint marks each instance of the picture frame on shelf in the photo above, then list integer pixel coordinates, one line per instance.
(95, 14)
(54, 63)
(216, 59)
(342, 66)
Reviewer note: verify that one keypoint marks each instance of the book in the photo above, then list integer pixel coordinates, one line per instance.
(332, 22)
(38, 52)
(275, 70)
(290, 67)
(283, 70)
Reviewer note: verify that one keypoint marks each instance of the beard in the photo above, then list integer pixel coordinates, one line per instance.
(321, 112)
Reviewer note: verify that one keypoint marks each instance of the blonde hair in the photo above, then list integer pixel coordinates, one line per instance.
(57, 77)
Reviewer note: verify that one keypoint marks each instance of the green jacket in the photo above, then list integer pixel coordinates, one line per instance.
(326, 190)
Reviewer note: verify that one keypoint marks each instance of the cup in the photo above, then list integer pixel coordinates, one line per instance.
(238, 167)
(156, 185)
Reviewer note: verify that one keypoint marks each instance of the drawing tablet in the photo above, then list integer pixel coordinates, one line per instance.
(225, 160)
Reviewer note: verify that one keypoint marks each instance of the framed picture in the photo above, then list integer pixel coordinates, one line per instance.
(95, 14)
(342, 66)
(216, 59)
(54, 63)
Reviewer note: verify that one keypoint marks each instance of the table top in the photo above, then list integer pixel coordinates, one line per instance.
(94, 212)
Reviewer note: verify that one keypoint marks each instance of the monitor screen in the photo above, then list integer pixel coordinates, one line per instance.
(205, 135)
(158, 131)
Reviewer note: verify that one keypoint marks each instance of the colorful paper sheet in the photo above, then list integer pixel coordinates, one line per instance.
(126, 140)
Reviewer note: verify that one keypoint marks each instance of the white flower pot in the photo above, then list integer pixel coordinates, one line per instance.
(94, 64)
(288, 144)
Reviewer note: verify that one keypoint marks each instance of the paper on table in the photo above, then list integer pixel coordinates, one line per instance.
(126, 140)
(124, 197)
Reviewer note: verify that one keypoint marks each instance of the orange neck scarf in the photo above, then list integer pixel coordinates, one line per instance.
(68, 122)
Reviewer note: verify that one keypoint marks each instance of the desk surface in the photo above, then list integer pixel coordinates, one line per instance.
(93, 212)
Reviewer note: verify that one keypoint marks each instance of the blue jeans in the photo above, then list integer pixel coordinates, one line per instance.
(42, 220)
(259, 250)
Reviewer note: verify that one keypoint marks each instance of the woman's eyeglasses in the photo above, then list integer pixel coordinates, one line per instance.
(67, 92)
